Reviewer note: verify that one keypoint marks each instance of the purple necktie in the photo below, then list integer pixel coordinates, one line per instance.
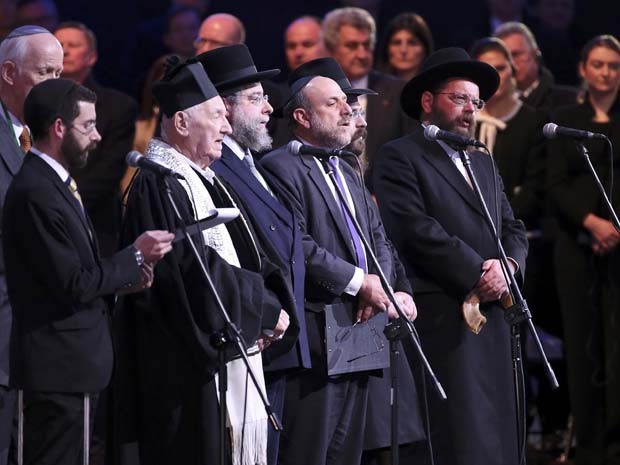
(357, 241)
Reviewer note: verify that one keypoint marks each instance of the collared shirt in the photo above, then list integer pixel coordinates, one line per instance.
(358, 276)
(526, 93)
(456, 159)
(57, 167)
(233, 145)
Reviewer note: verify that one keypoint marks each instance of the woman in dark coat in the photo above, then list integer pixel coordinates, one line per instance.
(587, 257)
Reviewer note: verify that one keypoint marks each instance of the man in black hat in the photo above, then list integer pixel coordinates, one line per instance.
(341, 284)
(61, 350)
(166, 388)
(232, 71)
(437, 225)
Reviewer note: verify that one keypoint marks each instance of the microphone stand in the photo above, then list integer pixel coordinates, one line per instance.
(518, 312)
(610, 208)
(393, 330)
(230, 334)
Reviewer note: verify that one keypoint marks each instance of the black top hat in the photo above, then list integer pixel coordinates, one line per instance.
(183, 86)
(326, 67)
(451, 62)
(232, 66)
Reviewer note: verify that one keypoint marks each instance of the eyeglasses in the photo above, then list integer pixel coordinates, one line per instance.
(463, 99)
(359, 113)
(85, 129)
(255, 99)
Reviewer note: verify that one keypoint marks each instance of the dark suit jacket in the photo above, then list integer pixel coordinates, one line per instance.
(280, 238)
(11, 158)
(57, 283)
(386, 121)
(548, 95)
(435, 221)
(100, 179)
(327, 244)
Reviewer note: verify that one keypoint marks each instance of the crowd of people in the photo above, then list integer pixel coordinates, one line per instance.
(121, 328)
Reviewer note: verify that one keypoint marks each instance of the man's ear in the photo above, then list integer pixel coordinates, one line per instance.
(58, 128)
(426, 101)
(181, 122)
(8, 72)
(302, 117)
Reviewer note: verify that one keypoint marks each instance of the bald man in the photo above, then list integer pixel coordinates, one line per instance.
(303, 41)
(219, 30)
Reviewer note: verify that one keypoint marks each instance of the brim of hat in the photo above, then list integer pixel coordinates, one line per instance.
(360, 91)
(247, 79)
(482, 74)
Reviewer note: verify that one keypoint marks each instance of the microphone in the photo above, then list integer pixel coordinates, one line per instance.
(432, 132)
(297, 148)
(551, 131)
(134, 158)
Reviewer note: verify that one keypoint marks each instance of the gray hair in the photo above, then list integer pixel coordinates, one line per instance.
(14, 49)
(350, 16)
(513, 27)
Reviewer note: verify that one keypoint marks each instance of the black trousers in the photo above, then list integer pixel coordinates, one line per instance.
(7, 413)
(54, 427)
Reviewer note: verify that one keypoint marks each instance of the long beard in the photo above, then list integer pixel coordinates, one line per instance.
(438, 118)
(250, 133)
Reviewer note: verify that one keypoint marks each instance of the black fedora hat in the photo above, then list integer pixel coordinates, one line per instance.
(326, 67)
(451, 62)
(232, 66)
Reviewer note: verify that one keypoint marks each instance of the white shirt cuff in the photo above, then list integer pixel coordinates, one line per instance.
(356, 282)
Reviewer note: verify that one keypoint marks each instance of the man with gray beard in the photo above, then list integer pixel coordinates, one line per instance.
(236, 78)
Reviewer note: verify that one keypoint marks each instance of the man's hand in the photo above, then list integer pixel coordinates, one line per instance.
(406, 304)
(281, 326)
(605, 236)
(371, 298)
(146, 280)
(492, 286)
(154, 245)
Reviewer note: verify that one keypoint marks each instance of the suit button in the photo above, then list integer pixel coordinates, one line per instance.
(272, 227)
(292, 261)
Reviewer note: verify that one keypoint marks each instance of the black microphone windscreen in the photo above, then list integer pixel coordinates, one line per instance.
(549, 130)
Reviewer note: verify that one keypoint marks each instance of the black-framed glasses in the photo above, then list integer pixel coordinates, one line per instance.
(463, 99)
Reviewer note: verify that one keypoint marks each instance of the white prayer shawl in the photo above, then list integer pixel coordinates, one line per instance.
(253, 431)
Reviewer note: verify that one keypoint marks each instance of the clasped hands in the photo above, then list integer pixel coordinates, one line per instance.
(373, 299)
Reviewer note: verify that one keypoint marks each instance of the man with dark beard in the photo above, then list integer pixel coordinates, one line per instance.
(438, 227)
(341, 283)
(61, 350)
(234, 75)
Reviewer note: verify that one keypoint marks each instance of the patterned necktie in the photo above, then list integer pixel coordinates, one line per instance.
(25, 142)
(357, 241)
(70, 182)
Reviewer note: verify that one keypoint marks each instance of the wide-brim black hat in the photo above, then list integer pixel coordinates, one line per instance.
(329, 68)
(326, 67)
(232, 66)
(451, 62)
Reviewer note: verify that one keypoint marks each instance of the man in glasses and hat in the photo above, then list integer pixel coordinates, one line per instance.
(173, 413)
(341, 282)
(60, 288)
(437, 225)
(234, 75)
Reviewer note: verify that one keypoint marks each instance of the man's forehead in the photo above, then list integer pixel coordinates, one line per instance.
(460, 84)
(325, 86)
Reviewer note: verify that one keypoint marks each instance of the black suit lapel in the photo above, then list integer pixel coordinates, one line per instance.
(446, 168)
(242, 172)
(48, 172)
(315, 173)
